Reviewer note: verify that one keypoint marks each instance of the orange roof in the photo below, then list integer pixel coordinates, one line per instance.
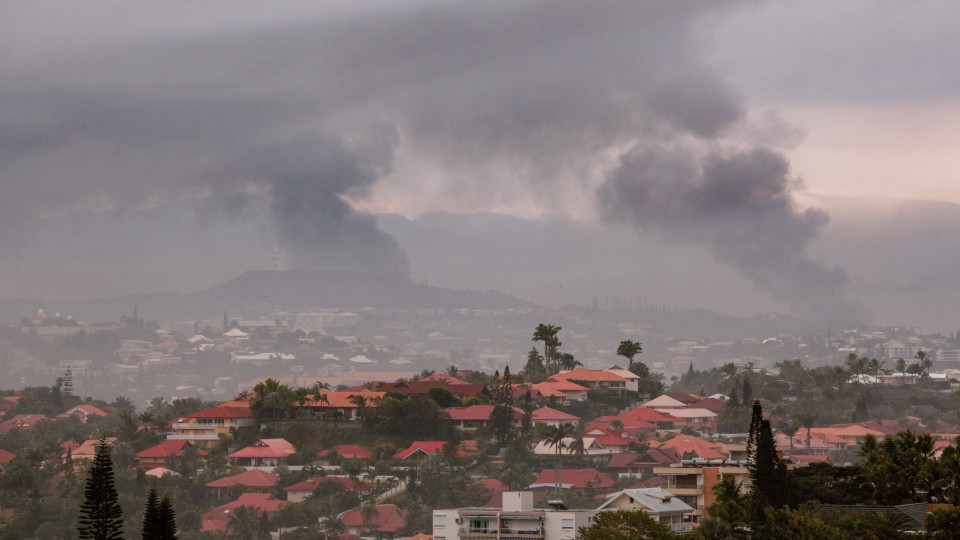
(264, 502)
(266, 448)
(562, 385)
(252, 478)
(348, 451)
(584, 374)
(344, 400)
(166, 449)
(222, 411)
(546, 414)
(389, 518)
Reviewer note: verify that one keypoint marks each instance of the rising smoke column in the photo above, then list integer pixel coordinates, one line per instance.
(738, 204)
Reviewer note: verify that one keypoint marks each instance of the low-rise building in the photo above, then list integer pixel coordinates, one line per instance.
(663, 506)
(203, 428)
(692, 481)
(517, 518)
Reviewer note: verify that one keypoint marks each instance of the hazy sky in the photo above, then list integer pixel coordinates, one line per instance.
(696, 123)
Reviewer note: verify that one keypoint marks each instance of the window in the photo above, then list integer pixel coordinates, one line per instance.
(566, 523)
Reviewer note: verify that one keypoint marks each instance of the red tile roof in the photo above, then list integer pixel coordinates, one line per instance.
(5, 457)
(222, 411)
(251, 478)
(311, 484)
(82, 410)
(389, 518)
(168, 449)
(264, 502)
(21, 421)
(426, 447)
(546, 414)
(477, 412)
(584, 374)
(266, 448)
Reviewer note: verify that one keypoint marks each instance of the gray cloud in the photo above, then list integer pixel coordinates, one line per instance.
(310, 110)
(739, 205)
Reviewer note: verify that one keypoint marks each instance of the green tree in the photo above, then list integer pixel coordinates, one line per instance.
(625, 525)
(628, 349)
(502, 418)
(151, 523)
(943, 524)
(547, 333)
(101, 517)
(768, 473)
(534, 371)
(166, 520)
(554, 435)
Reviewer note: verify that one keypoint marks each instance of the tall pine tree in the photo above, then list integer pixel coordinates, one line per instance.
(166, 520)
(151, 527)
(101, 517)
(768, 472)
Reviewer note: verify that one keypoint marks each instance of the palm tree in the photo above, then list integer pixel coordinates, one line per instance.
(244, 521)
(554, 435)
(806, 420)
(729, 370)
(577, 445)
(567, 362)
(628, 349)
(333, 526)
(925, 362)
(368, 513)
(361, 402)
(547, 333)
(901, 366)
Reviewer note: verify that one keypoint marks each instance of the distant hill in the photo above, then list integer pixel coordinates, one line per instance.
(259, 288)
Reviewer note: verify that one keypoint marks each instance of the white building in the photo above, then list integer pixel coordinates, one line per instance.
(517, 519)
(662, 506)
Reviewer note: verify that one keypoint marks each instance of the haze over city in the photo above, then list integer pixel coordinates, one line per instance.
(743, 157)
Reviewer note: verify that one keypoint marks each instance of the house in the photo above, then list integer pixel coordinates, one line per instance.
(594, 379)
(562, 391)
(301, 490)
(662, 506)
(660, 419)
(5, 458)
(690, 445)
(423, 387)
(553, 417)
(87, 449)
(590, 448)
(572, 479)
(345, 451)
(342, 405)
(167, 453)
(254, 478)
(388, 520)
(263, 453)
(475, 417)
(633, 380)
(421, 448)
(21, 421)
(203, 428)
(616, 441)
(693, 481)
(639, 465)
(83, 412)
(700, 420)
(516, 518)
(261, 502)
(665, 402)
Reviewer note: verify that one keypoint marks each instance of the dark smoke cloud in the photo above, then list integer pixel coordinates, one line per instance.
(498, 100)
(738, 204)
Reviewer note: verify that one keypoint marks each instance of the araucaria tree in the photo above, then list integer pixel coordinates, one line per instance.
(768, 473)
(101, 517)
(503, 416)
(151, 526)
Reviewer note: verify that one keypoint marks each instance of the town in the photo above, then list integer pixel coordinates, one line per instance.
(345, 424)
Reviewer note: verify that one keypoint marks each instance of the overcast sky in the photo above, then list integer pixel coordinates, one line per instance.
(696, 123)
